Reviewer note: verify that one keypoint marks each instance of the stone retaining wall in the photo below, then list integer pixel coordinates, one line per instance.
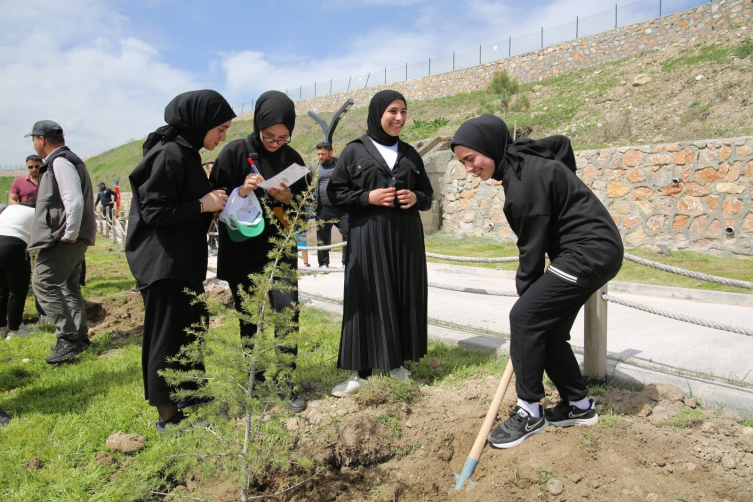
(690, 195)
(554, 60)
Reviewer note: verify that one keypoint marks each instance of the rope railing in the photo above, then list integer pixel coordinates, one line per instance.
(689, 273)
(679, 317)
(478, 291)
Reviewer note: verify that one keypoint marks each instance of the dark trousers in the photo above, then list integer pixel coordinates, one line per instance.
(168, 313)
(15, 271)
(324, 233)
(278, 300)
(540, 324)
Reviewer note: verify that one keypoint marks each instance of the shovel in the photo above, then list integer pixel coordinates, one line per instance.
(470, 463)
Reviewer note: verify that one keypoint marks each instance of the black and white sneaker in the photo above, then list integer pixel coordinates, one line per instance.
(515, 429)
(564, 415)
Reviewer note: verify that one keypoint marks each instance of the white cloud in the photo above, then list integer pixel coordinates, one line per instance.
(80, 68)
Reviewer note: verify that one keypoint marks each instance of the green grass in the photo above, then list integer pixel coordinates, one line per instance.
(5, 182)
(686, 418)
(710, 53)
(727, 266)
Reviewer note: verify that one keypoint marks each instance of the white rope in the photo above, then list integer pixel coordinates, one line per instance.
(320, 271)
(321, 248)
(478, 291)
(679, 317)
(472, 260)
(689, 273)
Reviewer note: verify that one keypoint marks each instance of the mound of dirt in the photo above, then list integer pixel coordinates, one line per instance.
(653, 446)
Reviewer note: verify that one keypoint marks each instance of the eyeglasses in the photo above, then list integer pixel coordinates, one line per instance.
(33, 167)
(271, 139)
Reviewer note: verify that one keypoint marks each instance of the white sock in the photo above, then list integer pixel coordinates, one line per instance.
(583, 404)
(533, 409)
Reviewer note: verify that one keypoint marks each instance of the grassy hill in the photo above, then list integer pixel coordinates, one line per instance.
(5, 182)
(697, 90)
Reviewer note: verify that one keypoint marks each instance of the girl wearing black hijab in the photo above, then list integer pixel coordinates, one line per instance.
(166, 245)
(553, 213)
(382, 182)
(267, 146)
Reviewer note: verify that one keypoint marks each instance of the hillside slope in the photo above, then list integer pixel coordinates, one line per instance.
(701, 89)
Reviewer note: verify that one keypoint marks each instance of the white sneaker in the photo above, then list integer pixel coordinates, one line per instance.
(349, 387)
(401, 374)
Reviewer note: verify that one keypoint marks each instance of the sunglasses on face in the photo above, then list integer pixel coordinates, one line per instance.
(33, 167)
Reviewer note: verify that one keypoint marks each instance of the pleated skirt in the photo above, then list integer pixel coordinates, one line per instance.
(386, 293)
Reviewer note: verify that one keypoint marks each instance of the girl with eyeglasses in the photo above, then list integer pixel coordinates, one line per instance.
(267, 147)
(382, 182)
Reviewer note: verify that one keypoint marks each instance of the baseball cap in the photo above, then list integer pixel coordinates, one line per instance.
(46, 128)
(243, 216)
(101, 183)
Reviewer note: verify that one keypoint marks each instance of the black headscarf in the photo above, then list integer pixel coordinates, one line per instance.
(272, 107)
(191, 115)
(488, 135)
(377, 107)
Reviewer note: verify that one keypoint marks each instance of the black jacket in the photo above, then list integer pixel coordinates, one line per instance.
(106, 197)
(235, 260)
(553, 212)
(361, 169)
(166, 229)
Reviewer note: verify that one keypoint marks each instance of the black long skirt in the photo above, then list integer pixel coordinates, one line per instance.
(385, 299)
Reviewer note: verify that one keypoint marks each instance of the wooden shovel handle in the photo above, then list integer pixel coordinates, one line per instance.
(491, 415)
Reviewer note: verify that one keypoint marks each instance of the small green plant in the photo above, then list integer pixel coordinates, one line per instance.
(421, 129)
(508, 97)
(686, 418)
(392, 423)
(546, 474)
(589, 443)
(381, 390)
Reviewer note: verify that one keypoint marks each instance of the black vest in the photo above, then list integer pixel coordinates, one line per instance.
(50, 217)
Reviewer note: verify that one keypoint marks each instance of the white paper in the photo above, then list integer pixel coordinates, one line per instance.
(289, 176)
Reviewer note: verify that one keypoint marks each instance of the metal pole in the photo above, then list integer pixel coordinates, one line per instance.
(429, 66)
(479, 54)
(242, 108)
(349, 79)
(659, 8)
(367, 79)
(595, 335)
(314, 88)
(509, 47)
(542, 37)
(453, 60)
(330, 86)
(576, 26)
(406, 71)
(615, 15)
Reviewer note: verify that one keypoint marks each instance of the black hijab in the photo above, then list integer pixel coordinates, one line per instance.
(377, 107)
(272, 107)
(488, 135)
(191, 115)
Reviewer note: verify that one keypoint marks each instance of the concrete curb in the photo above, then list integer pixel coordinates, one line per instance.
(716, 395)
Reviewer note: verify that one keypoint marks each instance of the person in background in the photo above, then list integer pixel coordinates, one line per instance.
(107, 197)
(553, 213)
(166, 243)
(325, 211)
(15, 266)
(382, 182)
(25, 187)
(63, 228)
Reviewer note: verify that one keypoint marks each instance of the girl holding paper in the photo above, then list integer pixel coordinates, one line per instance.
(245, 164)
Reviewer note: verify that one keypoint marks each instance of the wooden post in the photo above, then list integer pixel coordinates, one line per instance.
(107, 225)
(595, 335)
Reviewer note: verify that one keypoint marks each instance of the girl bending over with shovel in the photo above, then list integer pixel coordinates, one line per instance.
(552, 212)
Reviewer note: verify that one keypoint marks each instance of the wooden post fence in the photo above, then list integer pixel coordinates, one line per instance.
(595, 335)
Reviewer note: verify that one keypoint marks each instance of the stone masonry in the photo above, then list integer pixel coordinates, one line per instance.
(554, 60)
(693, 195)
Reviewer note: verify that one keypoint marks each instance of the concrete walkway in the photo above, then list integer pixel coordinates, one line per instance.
(715, 366)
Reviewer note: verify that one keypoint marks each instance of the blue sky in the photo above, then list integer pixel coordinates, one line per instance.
(105, 69)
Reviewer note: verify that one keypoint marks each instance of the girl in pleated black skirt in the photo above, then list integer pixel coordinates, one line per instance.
(381, 181)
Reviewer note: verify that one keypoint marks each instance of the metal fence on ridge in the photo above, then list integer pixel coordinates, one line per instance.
(619, 16)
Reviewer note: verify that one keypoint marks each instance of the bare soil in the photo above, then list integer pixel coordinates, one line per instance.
(651, 444)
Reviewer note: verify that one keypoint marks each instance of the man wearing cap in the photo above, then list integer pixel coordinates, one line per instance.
(107, 197)
(25, 187)
(62, 229)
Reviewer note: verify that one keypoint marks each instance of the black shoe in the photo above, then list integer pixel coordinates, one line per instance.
(4, 418)
(85, 340)
(178, 418)
(65, 350)
(194, 401)
(295, 403)
(564, 415)
(515, 429)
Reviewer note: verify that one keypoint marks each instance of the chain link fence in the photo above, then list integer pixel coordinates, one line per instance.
(579, 27)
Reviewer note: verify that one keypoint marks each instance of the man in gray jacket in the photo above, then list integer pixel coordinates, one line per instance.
(63, 227)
